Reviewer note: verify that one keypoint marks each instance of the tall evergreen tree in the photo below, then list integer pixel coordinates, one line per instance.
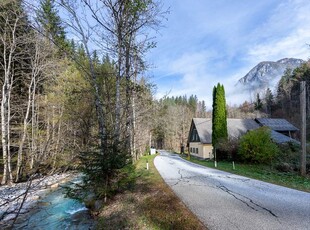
(219, 115)
(51, 23)
(258, 105)
(203, 108)
(269, 101)
(193, 100)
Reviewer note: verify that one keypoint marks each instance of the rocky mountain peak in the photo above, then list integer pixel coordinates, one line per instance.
(268, 73)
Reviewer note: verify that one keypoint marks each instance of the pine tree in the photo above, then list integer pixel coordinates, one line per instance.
(193, 103)
(258, 105)
(203, 108)
(269, 100)
(51, 23)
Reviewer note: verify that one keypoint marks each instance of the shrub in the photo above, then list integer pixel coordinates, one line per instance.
(227, 149)
(290, 155)
(256, 146)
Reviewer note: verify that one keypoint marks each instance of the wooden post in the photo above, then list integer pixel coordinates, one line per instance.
(303, 127)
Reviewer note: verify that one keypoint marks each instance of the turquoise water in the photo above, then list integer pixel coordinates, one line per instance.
(55, 211)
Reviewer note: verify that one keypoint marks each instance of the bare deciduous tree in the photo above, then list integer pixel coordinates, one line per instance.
(12, 18)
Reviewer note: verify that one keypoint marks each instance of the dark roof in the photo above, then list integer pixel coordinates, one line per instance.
(235, 128)
(280, 138)
(204, 129)
(276, 124)
(238, 127)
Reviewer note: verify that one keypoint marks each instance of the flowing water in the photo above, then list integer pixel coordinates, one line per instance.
(55, 211)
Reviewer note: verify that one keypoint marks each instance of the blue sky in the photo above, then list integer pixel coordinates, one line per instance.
(206, 41)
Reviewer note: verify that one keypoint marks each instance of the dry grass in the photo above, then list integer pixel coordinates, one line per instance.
(149, 205)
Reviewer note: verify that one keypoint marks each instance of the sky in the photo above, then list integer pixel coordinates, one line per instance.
(204, 42)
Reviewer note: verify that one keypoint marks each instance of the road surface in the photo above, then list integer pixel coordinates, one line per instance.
(226, 201)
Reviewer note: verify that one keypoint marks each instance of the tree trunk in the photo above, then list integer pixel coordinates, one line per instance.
(24, 132)
(128, 96)
(45, 152)
(4, 131)
(9, 134)
(33, 127)
(117, 95)
(58, 139)
(133, 130)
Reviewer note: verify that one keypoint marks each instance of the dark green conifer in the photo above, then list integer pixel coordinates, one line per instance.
(51, 24)
(219, 115)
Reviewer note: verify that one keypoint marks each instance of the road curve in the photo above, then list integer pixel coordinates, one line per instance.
(226, 201)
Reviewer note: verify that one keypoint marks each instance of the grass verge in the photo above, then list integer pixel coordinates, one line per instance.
(150, 204)
(261, 172)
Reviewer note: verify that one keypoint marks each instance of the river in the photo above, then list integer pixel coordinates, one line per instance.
(55, 211)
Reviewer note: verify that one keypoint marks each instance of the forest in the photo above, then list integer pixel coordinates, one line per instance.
(65, 104)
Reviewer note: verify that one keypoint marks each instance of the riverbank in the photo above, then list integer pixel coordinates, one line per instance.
(27, 195)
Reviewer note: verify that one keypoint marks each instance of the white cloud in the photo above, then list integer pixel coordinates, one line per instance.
(285, 34)
(293, 45)
(220, 44)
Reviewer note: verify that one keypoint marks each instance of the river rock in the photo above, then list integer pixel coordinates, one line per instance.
(35, 197)
(49, 183)
(78, 216)
(55, 185)
(98, 205)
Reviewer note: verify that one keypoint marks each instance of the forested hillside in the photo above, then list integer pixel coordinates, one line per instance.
(172, 120)
(65, 104)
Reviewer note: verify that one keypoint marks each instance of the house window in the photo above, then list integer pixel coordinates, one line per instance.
(190, 149)
(194, 135)
(197, 150)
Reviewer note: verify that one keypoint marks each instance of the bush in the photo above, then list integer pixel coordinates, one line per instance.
(227, 149)
(290, 155)
(256, 146)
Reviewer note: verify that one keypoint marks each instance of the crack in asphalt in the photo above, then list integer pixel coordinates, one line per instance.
(225, 189)
(179, 172)
(248, 202)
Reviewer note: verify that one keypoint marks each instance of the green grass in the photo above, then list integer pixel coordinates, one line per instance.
(151, 204)
(261, 172)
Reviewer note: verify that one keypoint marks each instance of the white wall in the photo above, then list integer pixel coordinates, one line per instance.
(204, 150)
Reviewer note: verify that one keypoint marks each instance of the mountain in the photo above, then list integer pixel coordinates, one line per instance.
(268, 73)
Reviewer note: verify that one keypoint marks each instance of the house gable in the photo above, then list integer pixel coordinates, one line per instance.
(193, 134)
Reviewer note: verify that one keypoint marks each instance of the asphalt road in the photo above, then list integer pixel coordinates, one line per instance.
(226, 201)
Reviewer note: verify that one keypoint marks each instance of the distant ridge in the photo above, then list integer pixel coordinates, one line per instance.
(268, 73)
